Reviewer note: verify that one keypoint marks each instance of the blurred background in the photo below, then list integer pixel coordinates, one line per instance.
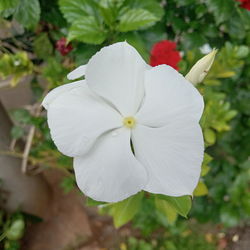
(40, 205)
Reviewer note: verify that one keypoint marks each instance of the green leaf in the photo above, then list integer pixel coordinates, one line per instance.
(16, 230)
(74, 10)
(21, 115)
(207, 159)
(8, 4)
(230, 216)
(193, 40)
(134, 19)
(125, 210)
(201, 189)
(182, 204)
(87, 30)
(242, 51)
(166, 209)
(204, 167)
(109, 10)
(28, 13)
(222, 9)
(68, 184)
(17, 132)
(42, 46)
(92, 203)
(210, 136)
(152, 6)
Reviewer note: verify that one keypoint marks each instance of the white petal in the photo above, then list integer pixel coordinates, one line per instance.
(76, 118)
(56, 92)
(110, 172)
(116, 73)
(172, 156)
(76, 73)
(169, 96)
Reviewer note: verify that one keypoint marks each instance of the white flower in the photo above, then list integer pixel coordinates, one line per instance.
(123, 102)
(205, 48)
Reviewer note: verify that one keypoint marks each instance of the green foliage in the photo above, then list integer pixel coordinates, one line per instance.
(94, 22)
(15, 66)
(166, 209)
(134, 19)
(179, 237)
(42, 46)
(12, 227)
(182, 204)
(8, 4)
(68, 184)
(87, 30)
(125, 210)
(28, 13)
(222, 9)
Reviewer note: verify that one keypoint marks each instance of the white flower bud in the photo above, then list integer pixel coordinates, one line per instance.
(201, 68)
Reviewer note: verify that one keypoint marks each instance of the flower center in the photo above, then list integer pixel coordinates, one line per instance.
(129, 122)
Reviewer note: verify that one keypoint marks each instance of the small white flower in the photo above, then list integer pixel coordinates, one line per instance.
(205, 49)
(123, 102)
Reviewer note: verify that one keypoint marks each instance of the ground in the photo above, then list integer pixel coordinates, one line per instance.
(70, 225)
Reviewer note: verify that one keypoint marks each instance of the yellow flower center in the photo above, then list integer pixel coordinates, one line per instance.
(129, 122)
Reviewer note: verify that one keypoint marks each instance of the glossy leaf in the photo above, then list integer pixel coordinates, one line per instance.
(28, 13)
(125, 210)
(166, 209)
(134, 19)
(201, 189)
(74, 10)
(87, 30)
(182, 204)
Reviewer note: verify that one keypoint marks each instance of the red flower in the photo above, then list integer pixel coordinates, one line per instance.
(164, 52)
(245, 4)
(63, 47)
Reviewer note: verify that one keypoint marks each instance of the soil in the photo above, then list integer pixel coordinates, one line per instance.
(70, 225)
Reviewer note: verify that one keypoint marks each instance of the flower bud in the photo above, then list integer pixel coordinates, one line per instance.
(201, 68)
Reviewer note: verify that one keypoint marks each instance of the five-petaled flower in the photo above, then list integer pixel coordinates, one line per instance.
(164, 52)
(129, 126)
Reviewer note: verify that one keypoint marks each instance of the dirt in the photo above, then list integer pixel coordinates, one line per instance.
(69, 224)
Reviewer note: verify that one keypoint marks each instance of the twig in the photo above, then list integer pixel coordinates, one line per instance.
(28, 144)
(12, 144)
(37, 111)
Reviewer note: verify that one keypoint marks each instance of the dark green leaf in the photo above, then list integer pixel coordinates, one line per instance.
(134, 19)
(74, 10)
(17, 132)
(87, 30)
(28, 13)
(21, 115)
(152, 6)
(222, 9)
(42, 46)
(8, 4)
